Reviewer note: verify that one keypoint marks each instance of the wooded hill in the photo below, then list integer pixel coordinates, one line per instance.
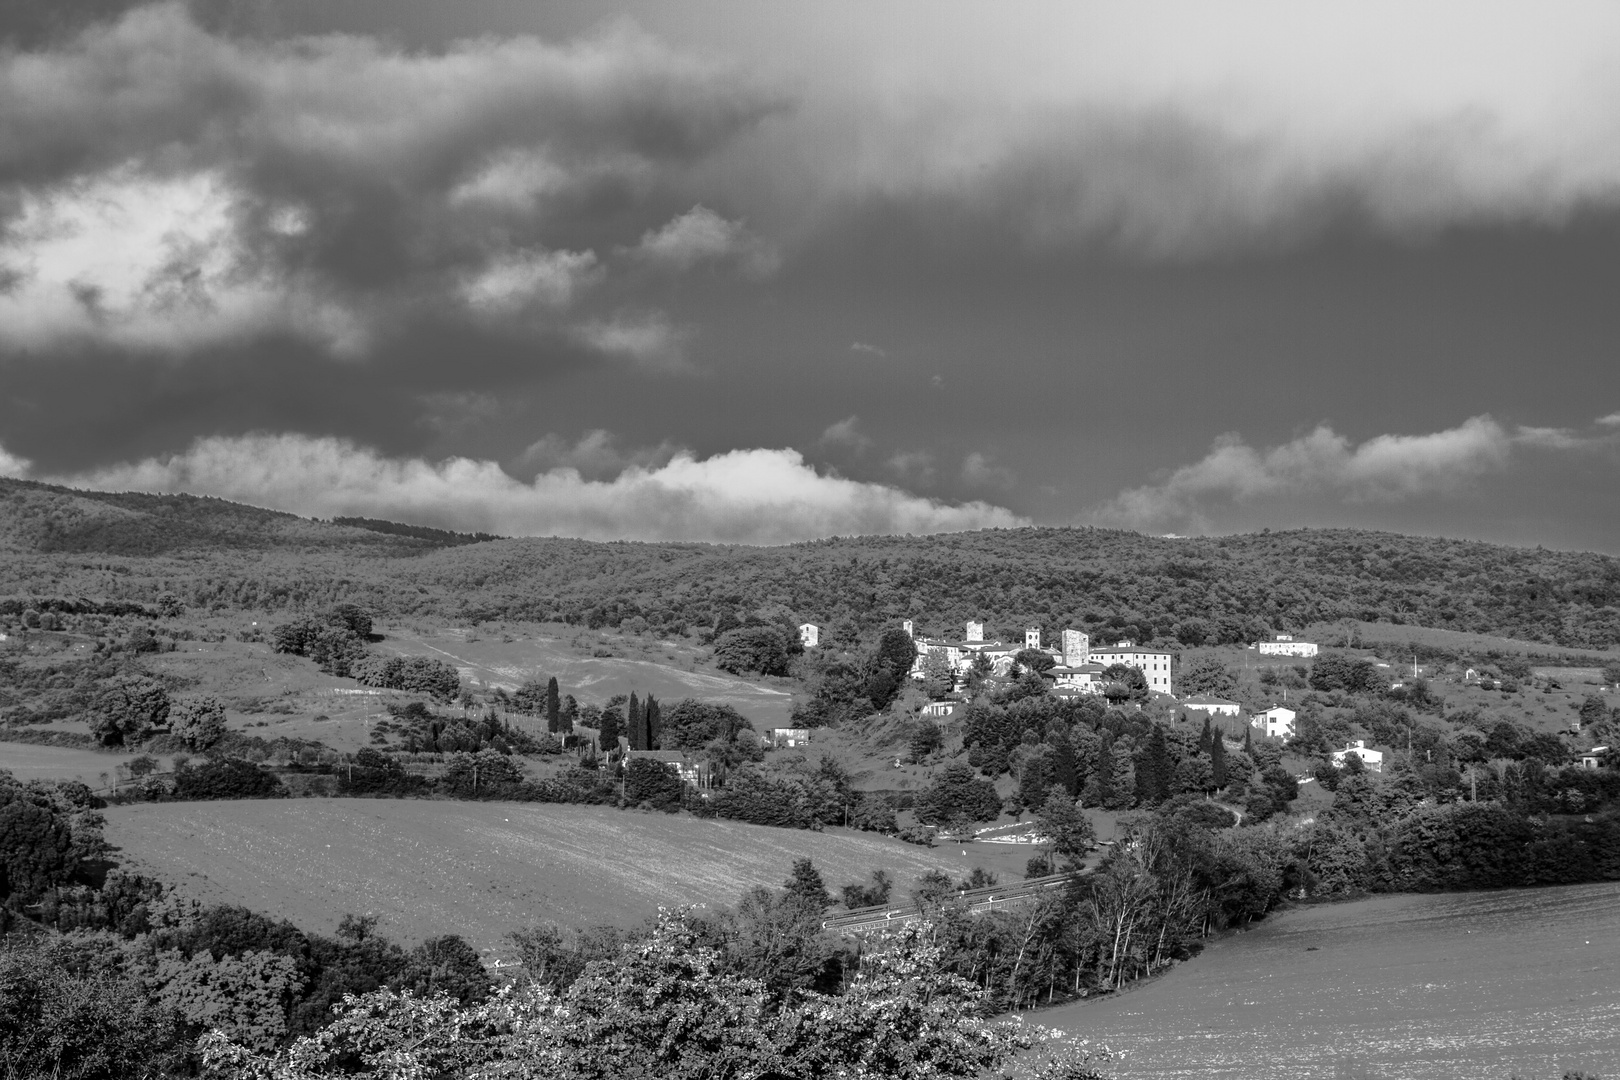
(220, 555)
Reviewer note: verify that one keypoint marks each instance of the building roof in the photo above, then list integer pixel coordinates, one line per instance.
(1122, 649)
(1083, 669)
(1206, 699)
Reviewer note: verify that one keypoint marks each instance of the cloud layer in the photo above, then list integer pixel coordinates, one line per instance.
(164, 188)
(1324, 465)
(745, 496)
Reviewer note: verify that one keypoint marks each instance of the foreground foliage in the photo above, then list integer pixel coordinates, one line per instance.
(668, 1007)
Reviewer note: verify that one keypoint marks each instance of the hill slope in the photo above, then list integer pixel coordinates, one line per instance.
(1223, 589)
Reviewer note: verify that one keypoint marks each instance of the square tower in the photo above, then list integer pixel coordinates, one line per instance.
(1076, 648)
(1032, 637)
(975, 631)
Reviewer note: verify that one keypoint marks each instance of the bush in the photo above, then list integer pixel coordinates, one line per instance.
(228, 778)
(199, 722)
(417, 674)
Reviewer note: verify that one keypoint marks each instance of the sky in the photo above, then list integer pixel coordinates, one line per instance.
(761, 272)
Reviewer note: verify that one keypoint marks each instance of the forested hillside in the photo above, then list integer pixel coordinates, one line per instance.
(215, 554)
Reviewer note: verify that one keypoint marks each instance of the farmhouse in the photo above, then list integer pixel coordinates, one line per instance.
(1209, 703)
(809, 635)
(1085, 678)
(787, 737)
(1373, 759)
(1593, 758)
(1277, 722)
(694, 773)
(1285, 645)
(1153, 663)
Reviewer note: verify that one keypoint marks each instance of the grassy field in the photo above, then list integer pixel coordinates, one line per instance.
(29, 762)
(669, 670)
(483, 869)
(1450, 639)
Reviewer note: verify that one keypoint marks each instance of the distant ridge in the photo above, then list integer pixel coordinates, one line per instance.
(1224, 589)
(442, 537)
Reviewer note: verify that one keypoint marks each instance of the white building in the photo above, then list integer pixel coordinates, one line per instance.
(1277, 722)
(974, 631)
(1285, 645)
(1209, 703)
(1086, 678)
(786, 737)
(809, 635)
(1593, 758)
(1155, 665)
(939, 710)
(1032, 637)
(1373, 759)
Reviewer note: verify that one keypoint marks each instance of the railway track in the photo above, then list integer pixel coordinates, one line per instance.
(862, 920)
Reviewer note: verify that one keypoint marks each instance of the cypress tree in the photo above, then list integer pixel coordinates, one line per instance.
(1206, 738)
(1248, 741)
(1065, 769)
(1217, 762)
(1153, 770)
(652, 716)
(553, 707)
(570, 713)
(633, 725)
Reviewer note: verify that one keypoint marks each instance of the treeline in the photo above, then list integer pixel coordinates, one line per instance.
(1114, 584)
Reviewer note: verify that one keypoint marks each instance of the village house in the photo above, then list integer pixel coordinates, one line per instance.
(939, 710)
(786, 737)
(1209, 703)
(1372, 759)
(1276, 722)
(1285, 645)
(809, 635)
(694, 773)
(1593, 758)
(1085, 678)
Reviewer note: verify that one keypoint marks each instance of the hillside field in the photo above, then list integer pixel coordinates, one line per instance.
(483, 869)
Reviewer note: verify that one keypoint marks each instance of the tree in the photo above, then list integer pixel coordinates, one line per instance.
(1066, 826)
(1122, 682)
(553, 707)
(805, 886)
(448, 965)
(1035, 660)
(1206, 738)
(530, 698)
(691, 723)
(1153, 769)
(1217, 762)
(957, 791)
(634, 725)
(169, 605)
(1206, 675)
(130, 707)
(1352, 674)
(652, 722)
(762, 649)
(653, 782)
(199, 722)
(939, 679)
(924, 741)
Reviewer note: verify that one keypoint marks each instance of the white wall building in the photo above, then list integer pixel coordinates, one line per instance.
(1277, 722)
(1285, 645)
(809, 635)
(1373, 759)
(974, 631)
(1155, 665)
(1209, 703)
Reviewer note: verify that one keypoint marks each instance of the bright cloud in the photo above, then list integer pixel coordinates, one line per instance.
(516, 280)
(847, 433)
(701, 235)
(648, 340)
(152, 263)
(746, 496)
(1323, 463)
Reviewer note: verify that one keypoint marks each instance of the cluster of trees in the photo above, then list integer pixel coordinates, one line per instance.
(800, 796)
(535, 698)
(850, 684)
(413, 674)
(1118, 759)
(101, 1003)
(335, 639)
(419, 730)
